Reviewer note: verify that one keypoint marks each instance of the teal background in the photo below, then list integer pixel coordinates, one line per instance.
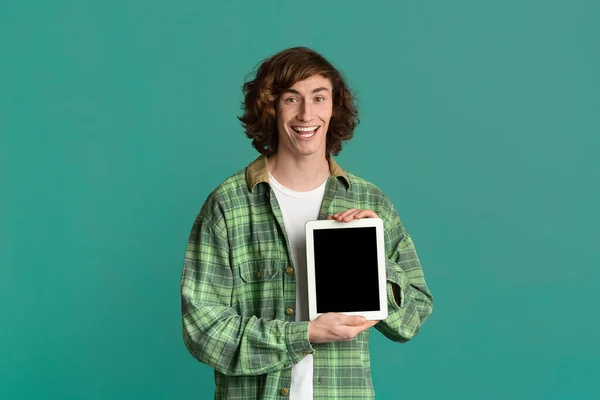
(479, 119)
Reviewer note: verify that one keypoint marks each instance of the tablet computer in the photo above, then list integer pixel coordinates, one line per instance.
(346, 268)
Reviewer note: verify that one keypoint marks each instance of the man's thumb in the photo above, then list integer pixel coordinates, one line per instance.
(355, 320)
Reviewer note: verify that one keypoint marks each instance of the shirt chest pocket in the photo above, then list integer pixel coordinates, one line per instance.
(260, 271)
(260, 289)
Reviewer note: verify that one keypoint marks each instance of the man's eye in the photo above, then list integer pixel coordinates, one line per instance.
(291, 100)
(320, 99)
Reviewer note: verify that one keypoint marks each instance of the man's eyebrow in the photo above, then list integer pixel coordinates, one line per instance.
(317, 90)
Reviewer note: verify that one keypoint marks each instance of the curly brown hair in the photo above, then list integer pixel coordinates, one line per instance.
(280, 72)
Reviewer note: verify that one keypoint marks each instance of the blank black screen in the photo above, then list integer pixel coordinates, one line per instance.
(346, 272)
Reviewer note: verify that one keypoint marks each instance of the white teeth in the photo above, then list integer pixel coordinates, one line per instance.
(305, 128)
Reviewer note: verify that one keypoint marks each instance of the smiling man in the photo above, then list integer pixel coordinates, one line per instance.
(243, 288)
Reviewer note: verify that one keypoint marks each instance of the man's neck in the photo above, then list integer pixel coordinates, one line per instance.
(302, 173)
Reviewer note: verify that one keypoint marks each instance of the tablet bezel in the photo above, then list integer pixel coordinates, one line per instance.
(311, 226)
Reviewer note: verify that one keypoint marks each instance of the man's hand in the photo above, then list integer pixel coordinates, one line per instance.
(352, 213)
(335, 327)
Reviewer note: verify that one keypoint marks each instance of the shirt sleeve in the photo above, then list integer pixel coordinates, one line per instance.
(407, 313)
(212, 331)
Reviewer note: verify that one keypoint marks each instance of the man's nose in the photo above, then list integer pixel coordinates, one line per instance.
(305, 113)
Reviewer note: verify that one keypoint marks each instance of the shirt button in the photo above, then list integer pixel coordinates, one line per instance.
(284, 391)
(289, 311)
(257, 274)
(289, 270)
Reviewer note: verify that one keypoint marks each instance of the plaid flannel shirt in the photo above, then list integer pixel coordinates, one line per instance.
(237, 285)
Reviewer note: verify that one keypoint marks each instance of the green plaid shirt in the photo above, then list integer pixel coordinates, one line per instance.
(236, 287)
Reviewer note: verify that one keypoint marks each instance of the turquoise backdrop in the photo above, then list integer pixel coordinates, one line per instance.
(117, 118)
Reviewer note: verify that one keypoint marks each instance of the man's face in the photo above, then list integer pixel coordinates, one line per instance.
(303, 115)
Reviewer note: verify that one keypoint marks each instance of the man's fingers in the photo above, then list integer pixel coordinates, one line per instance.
(357, 329)
(349, 217)
(332, 327)
(371, 323)
(343, 214)
(367, 214)
(353, 320)
(352, 213)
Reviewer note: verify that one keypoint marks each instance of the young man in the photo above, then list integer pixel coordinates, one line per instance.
(244, 290)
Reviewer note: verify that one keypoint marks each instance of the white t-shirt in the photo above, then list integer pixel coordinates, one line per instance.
(297, 208)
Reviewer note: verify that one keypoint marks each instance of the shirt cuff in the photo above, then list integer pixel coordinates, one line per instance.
(398, 278)
(296, 339)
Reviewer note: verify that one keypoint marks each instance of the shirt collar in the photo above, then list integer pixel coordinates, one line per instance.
(257, 172)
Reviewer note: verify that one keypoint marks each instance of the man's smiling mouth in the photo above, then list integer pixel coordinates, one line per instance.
(306, 131)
